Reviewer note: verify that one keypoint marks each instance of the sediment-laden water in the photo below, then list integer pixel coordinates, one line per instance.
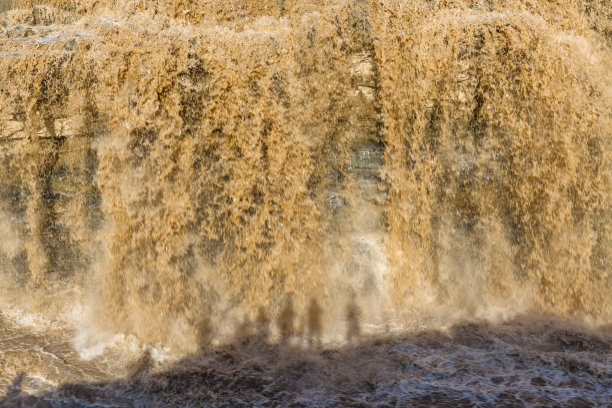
(292, 202)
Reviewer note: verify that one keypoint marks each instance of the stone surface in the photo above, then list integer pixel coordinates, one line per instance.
(43, 15)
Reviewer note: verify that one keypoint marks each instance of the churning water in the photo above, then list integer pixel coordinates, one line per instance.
(348, 202)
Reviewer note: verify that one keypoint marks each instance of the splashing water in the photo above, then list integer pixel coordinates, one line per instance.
(272, 177)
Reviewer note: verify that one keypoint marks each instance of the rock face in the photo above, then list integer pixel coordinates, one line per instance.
(43, 15)
(367, 264)
(48, 163)
(6, 5)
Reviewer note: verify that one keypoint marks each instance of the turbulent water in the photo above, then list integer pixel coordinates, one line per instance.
(348, 202)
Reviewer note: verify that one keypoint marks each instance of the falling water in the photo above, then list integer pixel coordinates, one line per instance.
(269, 179)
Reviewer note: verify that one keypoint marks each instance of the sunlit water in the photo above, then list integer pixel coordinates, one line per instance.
(310, 203)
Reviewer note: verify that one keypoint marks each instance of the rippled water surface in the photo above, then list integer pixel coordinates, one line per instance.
(535, 362)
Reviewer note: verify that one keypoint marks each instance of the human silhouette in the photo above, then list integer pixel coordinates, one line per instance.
(13, 395)
(285, 321)
(263, 324)
(353, 316)
(313, 321)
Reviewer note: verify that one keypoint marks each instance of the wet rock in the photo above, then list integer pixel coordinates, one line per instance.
(20, 32)
(538, 381)
(335, 202)
(43, 15)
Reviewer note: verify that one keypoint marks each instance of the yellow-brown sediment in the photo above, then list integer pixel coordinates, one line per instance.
(184, 159)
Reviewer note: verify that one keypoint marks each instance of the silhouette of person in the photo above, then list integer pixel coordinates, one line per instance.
(14, 392)
(285, 321)
(353, 315)
(263, 324)
(314, 326)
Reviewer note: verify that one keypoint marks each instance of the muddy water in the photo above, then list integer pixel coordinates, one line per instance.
(524, 362)
(291, 192)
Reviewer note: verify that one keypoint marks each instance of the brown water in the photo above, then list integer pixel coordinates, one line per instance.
(310, 184)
